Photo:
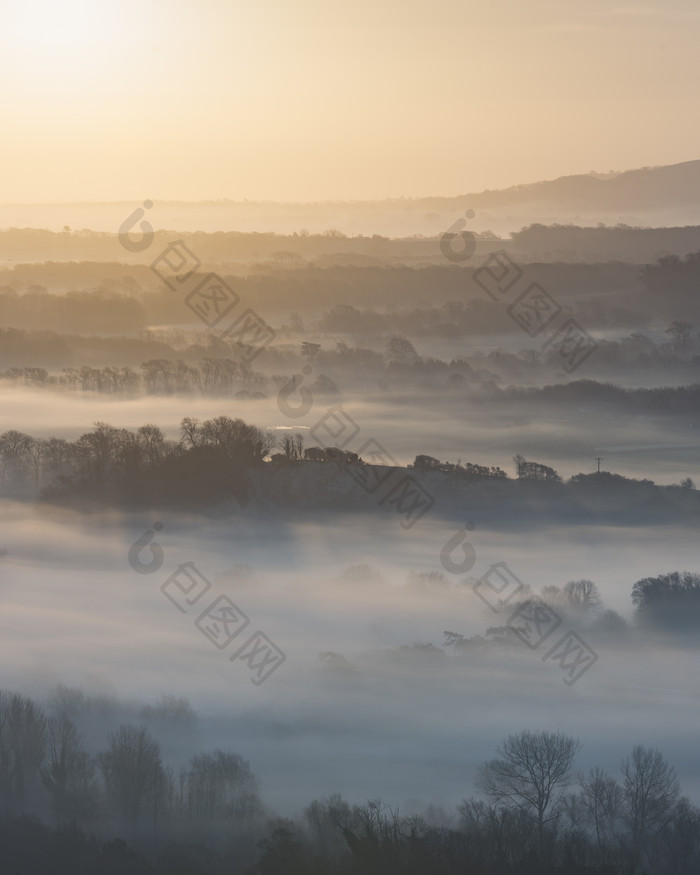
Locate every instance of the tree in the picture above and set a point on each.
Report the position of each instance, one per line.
(426, 463)
(670, 601)
(427, 581)
(326, 817)
(324, 385)
(133, 773)
(314, 454)
(534, 470)
(153, 441)
(681, 333)
(680, 839)
(67, 772)
(531, 775)
(97, 452)
(220, 786)
(35, 454)
(553, 595)
(57, 456)
(601, 798)
(519, 462)
(22, 739)
(189, 431)
(283, 853)
(497, 836)
(293, 447)
(650, 790)
(400, 351)
(14, 453)
(235, 438)
(583, 595)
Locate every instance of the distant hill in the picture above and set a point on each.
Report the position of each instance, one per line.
(649, 188)
(652, 196)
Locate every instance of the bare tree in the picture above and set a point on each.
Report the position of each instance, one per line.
(133, 773)
(153, 441)
(681, 333)
(531, 775)
(97, 451)
(583, 595)
(22, 738)
(553, 594)
(601, 798)
(498, 836)
(67, 772)
(220, 786)
(650, 792)
(35, 454)
(288, 447)
(325, 819)
(14, 454)
(234, 437)
(189, 430)
(57, 456)
(680, 839)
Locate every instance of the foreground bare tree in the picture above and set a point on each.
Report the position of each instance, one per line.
(650, 793)
(601, 801)
(531, 774)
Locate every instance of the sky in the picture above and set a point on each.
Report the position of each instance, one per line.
(310, 100)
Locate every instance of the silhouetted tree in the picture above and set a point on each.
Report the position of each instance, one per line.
(650, 791)
(22, 740)
(68, 772)
(670, 601)
(531, 774)
(133, 773)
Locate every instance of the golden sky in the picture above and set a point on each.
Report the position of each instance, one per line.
(318, 99)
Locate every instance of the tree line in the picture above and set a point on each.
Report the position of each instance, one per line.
(46, 769)
(534, 813)
(163, 363)
(219, 377)
(210, 460)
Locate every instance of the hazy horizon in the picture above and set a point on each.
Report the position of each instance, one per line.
(342, 90)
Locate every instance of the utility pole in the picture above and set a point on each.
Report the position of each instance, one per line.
(598, 459)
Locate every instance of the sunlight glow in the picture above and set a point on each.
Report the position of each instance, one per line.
(51, 41)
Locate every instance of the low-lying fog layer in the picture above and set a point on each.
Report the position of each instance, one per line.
(411, 725)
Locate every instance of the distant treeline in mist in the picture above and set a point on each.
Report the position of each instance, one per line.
(168, 364)
(90, 296)
(666, 607)
(220, 459)
(564, 242)
(674, 400)
(120, 809)
(557, 242)
(30, 244)
(117, 786)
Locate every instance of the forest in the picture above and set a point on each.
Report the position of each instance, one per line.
(122, 808)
